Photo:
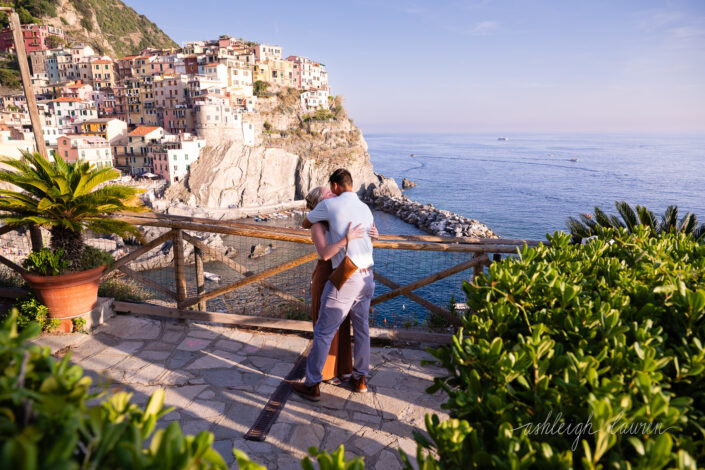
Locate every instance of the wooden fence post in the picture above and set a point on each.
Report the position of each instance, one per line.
(200, 283)
(179, 272)
(27, 83)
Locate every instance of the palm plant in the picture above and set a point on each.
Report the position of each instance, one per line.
(587, 225)
(67, 197)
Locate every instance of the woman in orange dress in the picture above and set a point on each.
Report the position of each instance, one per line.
(339, 362)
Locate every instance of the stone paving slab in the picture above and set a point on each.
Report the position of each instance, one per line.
(219, 378)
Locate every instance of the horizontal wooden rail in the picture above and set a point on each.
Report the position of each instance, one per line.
(418, 299)
(148, 282)
(161, 220)
(143, 249)
(249, 280)
(221, 257)
(252, 321)
(476, 261)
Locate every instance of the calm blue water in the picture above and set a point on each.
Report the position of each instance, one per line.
(527, 186)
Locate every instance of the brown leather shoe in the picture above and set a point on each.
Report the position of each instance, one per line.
(312, 393)
(359, 385)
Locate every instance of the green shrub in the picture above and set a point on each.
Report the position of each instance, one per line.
(46, 262)
(10, 78)
(318, 115)
(46, 421)
(259, 87)
(79, 324)
(93, 257)
(29, 310)
(606, 337)
(123, 289)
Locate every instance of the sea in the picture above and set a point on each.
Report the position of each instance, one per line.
(523, 187)
(528, 185)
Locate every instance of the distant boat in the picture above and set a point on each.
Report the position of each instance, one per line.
(211, 276)
(550, 154)
(573, 159)
(502, 138)
(412, 154)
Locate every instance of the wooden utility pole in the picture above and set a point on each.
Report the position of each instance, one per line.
(27, 81)
(35, 232)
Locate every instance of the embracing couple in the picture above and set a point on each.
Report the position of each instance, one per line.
(341, 227)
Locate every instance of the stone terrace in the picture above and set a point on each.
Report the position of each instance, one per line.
(219, 379)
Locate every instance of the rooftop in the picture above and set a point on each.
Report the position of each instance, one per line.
(143, 130)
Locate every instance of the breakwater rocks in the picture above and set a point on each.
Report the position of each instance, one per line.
(426, 217)
(406, 183)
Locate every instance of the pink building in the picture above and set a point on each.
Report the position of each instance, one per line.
(92, 149)
(173, 156)
(35, 37)
(309, 74)
(78, 90)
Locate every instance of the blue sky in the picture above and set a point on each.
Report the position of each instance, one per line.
(482, 65)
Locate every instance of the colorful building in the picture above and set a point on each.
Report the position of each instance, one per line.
(87, 148)
(35, 37)
(173, 156)
(109, 129)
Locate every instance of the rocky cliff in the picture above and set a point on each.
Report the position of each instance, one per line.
(293, 153)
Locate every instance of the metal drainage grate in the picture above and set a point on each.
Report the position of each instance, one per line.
(268, 416)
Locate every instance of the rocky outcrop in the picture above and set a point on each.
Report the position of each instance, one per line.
(232, 174)
(435, 221)
(292, 155)
(406, 183)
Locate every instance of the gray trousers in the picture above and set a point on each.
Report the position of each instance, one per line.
(354, 297)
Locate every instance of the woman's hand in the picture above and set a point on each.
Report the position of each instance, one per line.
(355, 232)
(373, 233)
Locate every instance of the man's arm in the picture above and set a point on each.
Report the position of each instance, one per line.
(306, 223)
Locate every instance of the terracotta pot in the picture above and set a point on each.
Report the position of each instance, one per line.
(67, 296)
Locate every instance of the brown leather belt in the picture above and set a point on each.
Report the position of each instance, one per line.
(365, 270)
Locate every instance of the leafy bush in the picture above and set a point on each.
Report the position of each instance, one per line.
(606, 338)
(259, 87)
(124, 290)
(319, 115)
(29, 310)
(93, 257)
(46, 262)
(46, 423)
(10, 78)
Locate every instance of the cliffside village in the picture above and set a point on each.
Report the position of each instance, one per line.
(148, 114)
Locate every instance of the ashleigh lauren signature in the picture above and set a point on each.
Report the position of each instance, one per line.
(617, 426)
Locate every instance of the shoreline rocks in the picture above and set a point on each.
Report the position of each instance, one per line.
(406, 183)
(426, 217)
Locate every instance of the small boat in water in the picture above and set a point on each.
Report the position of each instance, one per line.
(412, 154)
(211, 276)
(502, 138)
(573, 160)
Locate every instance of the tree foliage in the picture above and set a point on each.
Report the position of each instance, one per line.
(587, 225)
(68, 197)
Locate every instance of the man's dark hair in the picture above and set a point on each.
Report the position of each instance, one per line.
(342, 177)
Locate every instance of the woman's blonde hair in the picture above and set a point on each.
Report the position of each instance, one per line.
(314, 197)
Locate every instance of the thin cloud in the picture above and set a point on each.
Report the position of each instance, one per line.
(485, 28)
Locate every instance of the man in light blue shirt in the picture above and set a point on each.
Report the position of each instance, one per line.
(354, 296)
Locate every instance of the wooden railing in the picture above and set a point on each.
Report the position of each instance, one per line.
(479, 249)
